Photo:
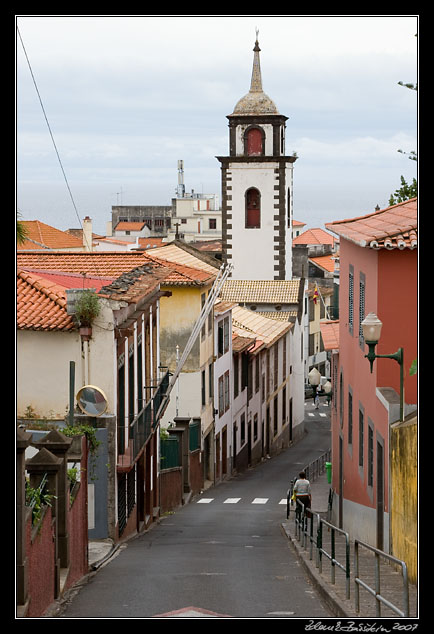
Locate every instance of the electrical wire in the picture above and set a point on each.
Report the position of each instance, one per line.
(55, 148)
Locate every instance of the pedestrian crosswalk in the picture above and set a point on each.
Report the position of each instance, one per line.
(237, 500)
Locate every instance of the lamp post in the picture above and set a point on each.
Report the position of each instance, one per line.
(327, 387)
(371, 327)
(314, 377)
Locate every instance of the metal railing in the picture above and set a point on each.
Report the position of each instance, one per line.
(317, 467)
(305, 521)
(160, 397)
(143, 424)
(313, 470)
(376, 592)
(304, 530)
(332, 556)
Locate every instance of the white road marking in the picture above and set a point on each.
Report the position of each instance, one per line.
(260, 501)
(282, 501)
(231, 500)
(205, 500)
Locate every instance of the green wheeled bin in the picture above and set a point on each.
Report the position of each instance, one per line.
(328, 466)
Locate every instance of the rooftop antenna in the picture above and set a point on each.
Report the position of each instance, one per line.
(117, 196)
(181, 187)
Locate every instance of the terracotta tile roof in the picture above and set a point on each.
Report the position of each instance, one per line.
(111, 240)
(173, 253)
(150, 243)
(326, 262)
(137, 283)
(280, 315)
(71, 280)
(42, 236)
(240, 343)
(330, 334)
(261, 291)
(98, 264)
(124, 225)
(181, 274)
(314, 236)
(207, 245)
(41, 304)
(246, 322)
(394, 227)
(221, 307)
(111, 265)
(297, 223)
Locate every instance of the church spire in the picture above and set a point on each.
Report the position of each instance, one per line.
(255, 102)
(256, 83)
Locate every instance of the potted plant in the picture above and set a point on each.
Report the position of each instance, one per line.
(86, 309)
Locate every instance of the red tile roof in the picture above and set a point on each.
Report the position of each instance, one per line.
(42, 236)
(71, 280)
(314, 236)
(111, 265)
(98, 264)
(125, 225)
(326, 262)
(150, 243)
(394, 227)
(41, 304)
(330, 334)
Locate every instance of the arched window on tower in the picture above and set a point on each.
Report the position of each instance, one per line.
(254, 142)
(253, 208)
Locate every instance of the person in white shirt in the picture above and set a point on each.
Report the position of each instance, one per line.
(302, 490)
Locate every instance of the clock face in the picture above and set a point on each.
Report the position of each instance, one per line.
(91, 400)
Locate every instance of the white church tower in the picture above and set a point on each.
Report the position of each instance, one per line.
(257, 188)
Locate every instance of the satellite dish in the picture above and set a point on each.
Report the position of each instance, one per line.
(92, 400)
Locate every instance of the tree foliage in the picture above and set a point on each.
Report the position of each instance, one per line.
(405, 192)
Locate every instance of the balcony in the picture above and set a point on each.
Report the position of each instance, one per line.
(142, 426)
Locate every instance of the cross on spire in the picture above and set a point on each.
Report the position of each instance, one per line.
(256, 82)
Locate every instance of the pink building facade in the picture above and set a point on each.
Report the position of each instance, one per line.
(378, 273)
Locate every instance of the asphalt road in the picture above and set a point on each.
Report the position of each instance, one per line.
(221, 555)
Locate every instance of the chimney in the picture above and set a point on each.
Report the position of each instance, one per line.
(87, 234)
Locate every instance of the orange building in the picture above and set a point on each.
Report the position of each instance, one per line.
(378, 274)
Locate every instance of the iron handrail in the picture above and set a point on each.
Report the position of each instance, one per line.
(375, 592)
(318, 467)
(332, 556)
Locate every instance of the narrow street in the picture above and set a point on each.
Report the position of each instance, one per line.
(222, 555)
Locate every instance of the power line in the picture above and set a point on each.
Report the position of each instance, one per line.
(54, 143)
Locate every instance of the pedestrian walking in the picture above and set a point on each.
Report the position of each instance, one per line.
(302, 491)
(317, 391)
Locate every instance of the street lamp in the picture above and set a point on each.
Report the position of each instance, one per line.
(371, 328)
(314, 378)
(327, 387)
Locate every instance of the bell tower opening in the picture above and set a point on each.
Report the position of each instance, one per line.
(254, 142)
(253, 208)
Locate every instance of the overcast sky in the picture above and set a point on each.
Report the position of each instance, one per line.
(127, 96)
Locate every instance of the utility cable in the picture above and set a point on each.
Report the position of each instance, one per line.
(54, 144)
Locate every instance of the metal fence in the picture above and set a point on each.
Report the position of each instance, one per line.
(310, 530)
(159, 398)
(194, 435)
(169, 452)
(376, 592)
